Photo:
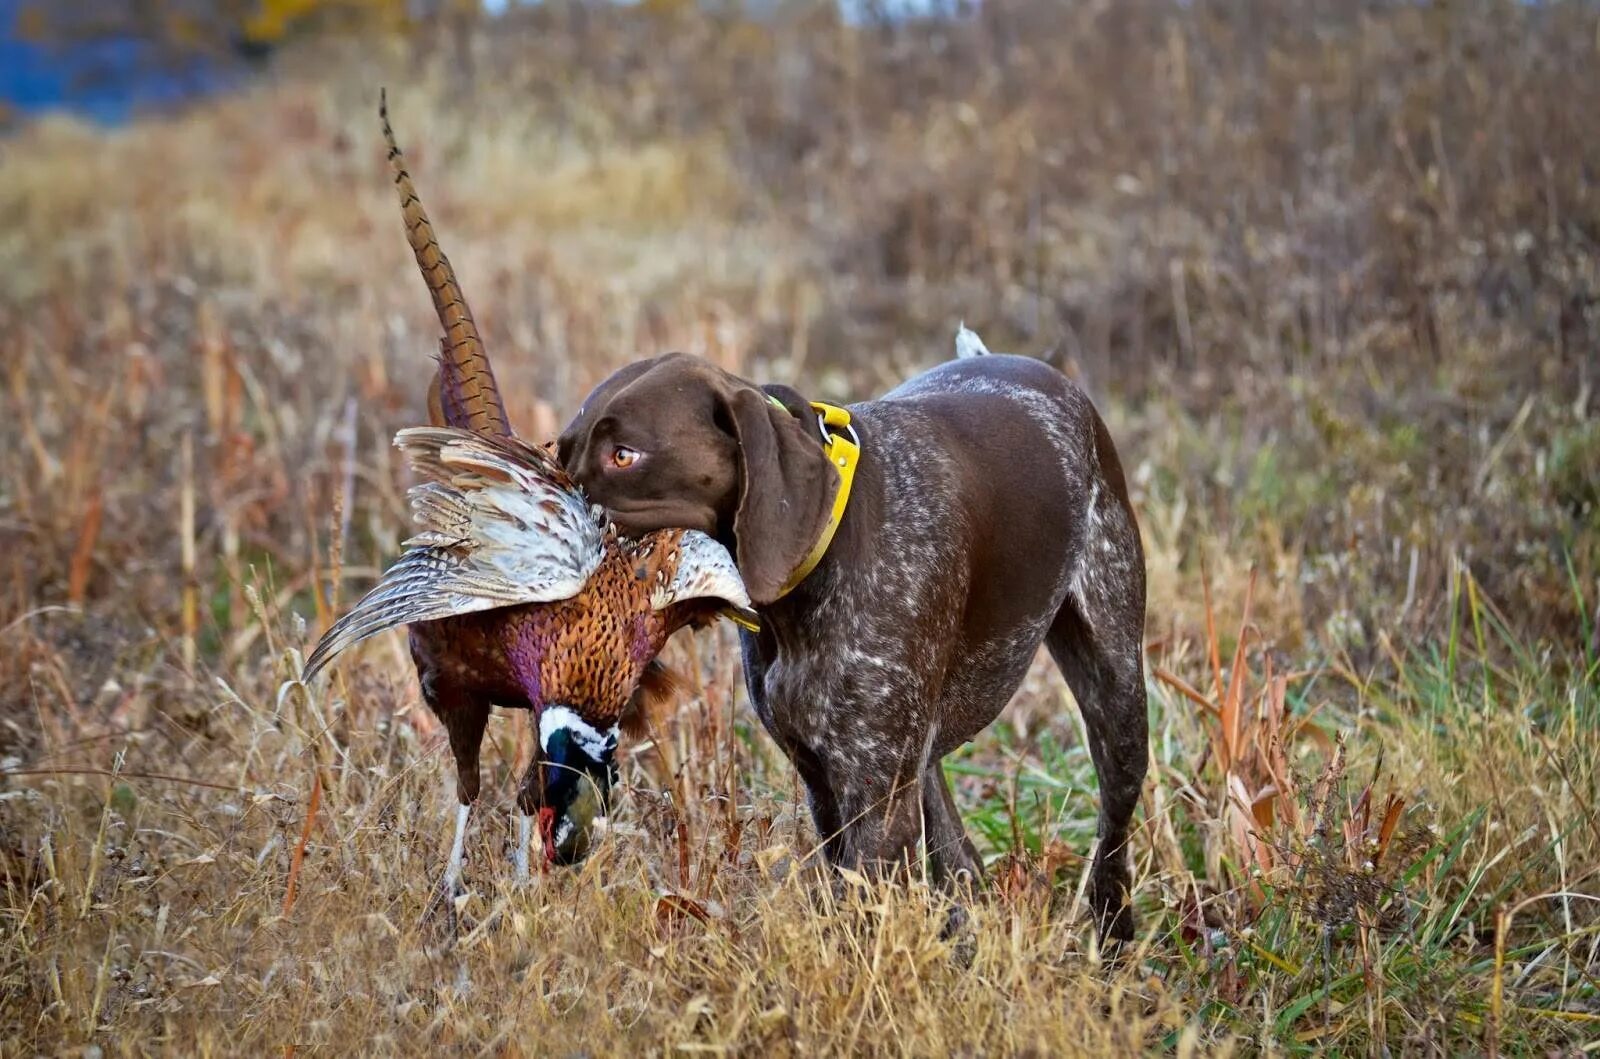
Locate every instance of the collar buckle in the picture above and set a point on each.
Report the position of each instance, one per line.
(831, 415)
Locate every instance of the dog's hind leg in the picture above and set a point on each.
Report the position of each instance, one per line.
(1097, 640)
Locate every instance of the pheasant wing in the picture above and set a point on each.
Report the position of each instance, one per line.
(500, 524)
(705, 570)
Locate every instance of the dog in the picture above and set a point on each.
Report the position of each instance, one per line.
(986, 513)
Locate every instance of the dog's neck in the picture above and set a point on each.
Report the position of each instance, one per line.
(853, 543)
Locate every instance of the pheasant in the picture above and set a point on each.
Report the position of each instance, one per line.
(518, 593)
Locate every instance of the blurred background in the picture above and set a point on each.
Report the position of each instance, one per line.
(1331, 263)
(1329, 268)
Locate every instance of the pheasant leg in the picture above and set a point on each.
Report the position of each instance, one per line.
(529, 810)
(458, 849)
(464, 716)
(524, 841)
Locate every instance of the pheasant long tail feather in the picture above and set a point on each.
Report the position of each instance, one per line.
(463, 394)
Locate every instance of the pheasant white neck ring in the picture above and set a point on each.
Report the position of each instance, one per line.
(585, 736)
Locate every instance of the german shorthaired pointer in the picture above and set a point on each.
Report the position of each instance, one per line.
(987, 514)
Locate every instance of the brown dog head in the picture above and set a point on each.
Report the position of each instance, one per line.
(675, 442)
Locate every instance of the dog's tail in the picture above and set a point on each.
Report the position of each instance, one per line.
(968, 344)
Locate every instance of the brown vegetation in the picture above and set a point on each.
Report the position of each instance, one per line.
(1330, 270)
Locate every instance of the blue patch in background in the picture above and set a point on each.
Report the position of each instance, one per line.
(106, 80)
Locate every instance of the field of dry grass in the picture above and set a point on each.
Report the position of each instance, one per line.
(1332, 275)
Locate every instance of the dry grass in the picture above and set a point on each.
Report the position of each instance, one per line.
(1334, 284)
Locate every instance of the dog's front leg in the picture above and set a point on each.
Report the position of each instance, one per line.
(860, 756)
(755, 650)
(953, 860)
(868, 813)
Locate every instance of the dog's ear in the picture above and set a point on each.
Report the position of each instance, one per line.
(786, 490)
(794, 401)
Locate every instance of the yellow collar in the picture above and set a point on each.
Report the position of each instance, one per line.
(842, 446)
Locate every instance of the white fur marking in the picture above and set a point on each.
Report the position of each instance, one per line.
(968, 344)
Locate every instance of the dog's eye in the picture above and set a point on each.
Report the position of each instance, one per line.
(622, 456)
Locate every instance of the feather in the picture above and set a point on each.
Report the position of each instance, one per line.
(464, 393)
(500, 525)
(705, 571)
